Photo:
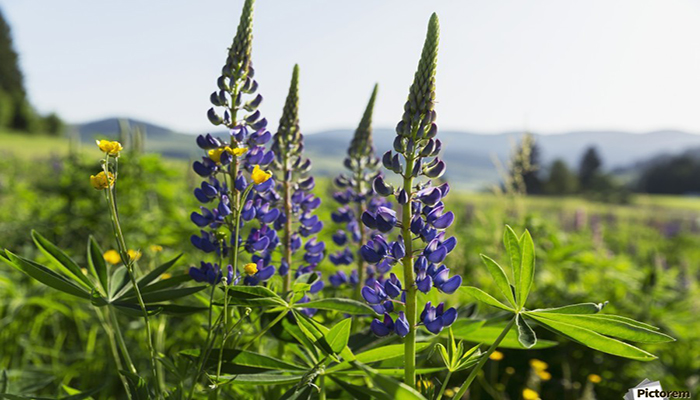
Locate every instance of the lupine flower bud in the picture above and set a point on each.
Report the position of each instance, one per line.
(381, 187)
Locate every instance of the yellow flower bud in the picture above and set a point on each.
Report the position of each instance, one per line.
(593, 378)
(259, 176)
(110, 147)
(496, 356)
(544, 375)
(538, 365)
(102, 181)
(529, 394)
(134, 255)
(112, 257)
(250, 268)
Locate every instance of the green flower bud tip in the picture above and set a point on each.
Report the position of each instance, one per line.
(288, 134)
(361, 145)
(243, 41)
(421, 96)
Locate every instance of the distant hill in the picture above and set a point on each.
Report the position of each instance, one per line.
(468, 155)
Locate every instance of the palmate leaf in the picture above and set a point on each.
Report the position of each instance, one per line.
(250, 359)
(526, 336)
(484, 297)
(272, 378)
(346, 306)
(157, 272)
(617, 328)
(593, 339)
(61, 260)
(97, 264)
(392, 387)
(379, 354)
(254, 296)
(316, 333)
(46, 276)
(487, 335)
(499, 276)
(166, 295)
(339, 335)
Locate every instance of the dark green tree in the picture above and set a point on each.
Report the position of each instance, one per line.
(532, 177)
(589, 169)
(561, 181)
(15, 110)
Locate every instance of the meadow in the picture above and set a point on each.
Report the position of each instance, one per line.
(241, 275)
(641, 257)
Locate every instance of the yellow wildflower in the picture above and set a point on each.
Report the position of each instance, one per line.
(166, 275)
(259, 176)
(593, 378)
(155, 248)
(529, 394)
(112, 257)
(239, 151)
(449, 392)
(544, 375)
(109, 147)
(538, 365)
(134, 255)
(496, 356)
(102, 181)
(425, 384)
(250, 268)
(510, 370)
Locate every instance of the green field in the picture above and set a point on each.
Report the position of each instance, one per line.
(642, 257)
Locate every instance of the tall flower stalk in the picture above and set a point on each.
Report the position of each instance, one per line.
(355, 197)
(236, 189)
(296, 203)
(423, 219)
(106, 180)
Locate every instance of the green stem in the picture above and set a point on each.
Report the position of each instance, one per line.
(115, 351)
(262, 332)
(483, 360)
(411, 300)
(360, 260)
(322, 387)
(202, 357)
(121, 243)
(444, 385)
(120, 341)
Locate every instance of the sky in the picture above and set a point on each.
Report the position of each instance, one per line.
(546, 66)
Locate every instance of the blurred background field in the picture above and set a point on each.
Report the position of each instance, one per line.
(641, 256)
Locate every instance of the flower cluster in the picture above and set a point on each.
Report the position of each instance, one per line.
(296, 204)
(236, 188)
(355, 197)
(423, 216)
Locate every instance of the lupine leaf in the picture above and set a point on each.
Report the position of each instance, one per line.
(392, 387)
(512, 244)
(610, 327)
(526, 336)
(47, 276)
(360, 392)
(487, 335)
(61, 260)
(463, 326)
(339, 335)
(379, 354)
(118, 282)
(296, 393)
(316, 333)
(582, 308)
(153, 275)
(527, 269)
(158, 286)
(593, 339)
(97, 264)
(245, 358)
(254, 296)
(484, 297)
(276, 378)
(134, 309)
(388, 371)
(166, 295)
(499, 276)
(347, 306)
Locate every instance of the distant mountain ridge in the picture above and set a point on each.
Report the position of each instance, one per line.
(469, 156)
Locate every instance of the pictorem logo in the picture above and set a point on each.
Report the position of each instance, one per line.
(653, 390)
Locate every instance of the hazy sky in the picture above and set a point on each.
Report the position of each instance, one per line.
(545, 66)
